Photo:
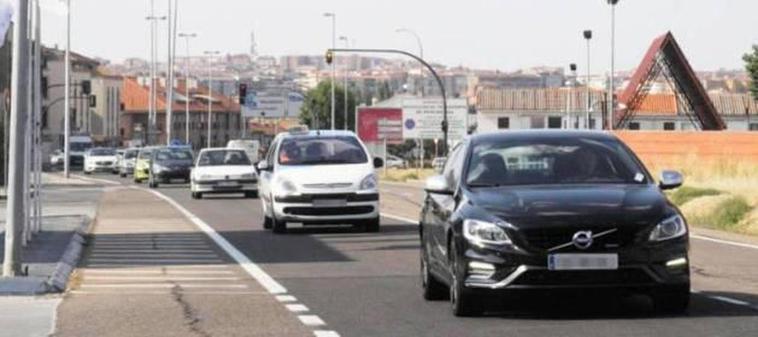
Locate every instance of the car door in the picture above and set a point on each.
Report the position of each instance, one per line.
(440, 207)
(265, 178)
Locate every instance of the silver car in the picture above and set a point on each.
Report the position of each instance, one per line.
(127, 162)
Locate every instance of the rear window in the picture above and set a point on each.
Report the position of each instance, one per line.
(321, 150)
(130, 154)
(224, 158)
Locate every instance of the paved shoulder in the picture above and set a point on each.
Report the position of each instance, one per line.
(150, 272)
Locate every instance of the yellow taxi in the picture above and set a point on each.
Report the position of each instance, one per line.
(142, 165)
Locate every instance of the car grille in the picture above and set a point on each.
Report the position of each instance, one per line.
(328, 186)
(632, 276)
(349, 197)
(547, 238)
(104, 163)
(313, 211)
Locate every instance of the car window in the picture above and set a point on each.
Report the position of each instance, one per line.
(145, 154)
(564, 161)
(452, 166)
(130, 154)
(320, 150)
(223, 158)
(172, 154)
(271, 153)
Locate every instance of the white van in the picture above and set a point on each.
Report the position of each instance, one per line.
(251, 147)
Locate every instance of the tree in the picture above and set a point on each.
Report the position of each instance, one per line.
(317, 108)
(751, 65)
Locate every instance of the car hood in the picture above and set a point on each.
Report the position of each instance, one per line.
(324, 175)
(102, 158)
(580, 205)
(223, 171)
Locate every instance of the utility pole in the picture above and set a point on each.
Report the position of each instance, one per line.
(588, 36)
(170, 72)
(334, 69)
(19, 108)
(210, 55)
(420, 54)
(187, 37)
(347, 69)
(38, 120)
(66, 98)
(611, 98)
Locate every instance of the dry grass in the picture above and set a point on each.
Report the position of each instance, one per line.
(403, 175)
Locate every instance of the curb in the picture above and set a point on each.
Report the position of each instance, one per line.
(70, 260)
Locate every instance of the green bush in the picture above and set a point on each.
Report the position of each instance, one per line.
(729, 213)
(686, 193)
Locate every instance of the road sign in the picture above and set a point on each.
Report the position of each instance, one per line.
(422, 118)
(377, 124)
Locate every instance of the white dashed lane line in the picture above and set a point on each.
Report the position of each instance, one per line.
(268, 282)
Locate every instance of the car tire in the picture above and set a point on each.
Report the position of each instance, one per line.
(268, 223)
(123, 175)
(278, 226)
(197, 195)
(464, 302)
(432, 289)
(87, 172)
(372, 225)
(672, 300)
(251, 194)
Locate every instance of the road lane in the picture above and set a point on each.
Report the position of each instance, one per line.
(367, 284)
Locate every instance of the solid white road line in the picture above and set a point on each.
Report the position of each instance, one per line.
(249, 266)
(286, 298)
(311, 320)
(724, 242)
(325, 333)
(729, 300)
(399, 218)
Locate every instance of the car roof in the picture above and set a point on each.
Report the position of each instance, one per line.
(220, 149)
(541, 134)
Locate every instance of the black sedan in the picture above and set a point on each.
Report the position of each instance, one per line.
(169, 164)
(551, 210)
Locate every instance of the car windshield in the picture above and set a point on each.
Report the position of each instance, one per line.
(223, 158)
(145, 154)
(172, 154)
(102, 152)
(79, 147)
(321, 150)
(130, 154)
(564, 161)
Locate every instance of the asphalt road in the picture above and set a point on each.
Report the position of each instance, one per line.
(368, 284)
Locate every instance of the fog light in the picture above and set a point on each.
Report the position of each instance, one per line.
(676, 263)
(480, 269)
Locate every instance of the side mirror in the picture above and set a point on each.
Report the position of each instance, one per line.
(670, 180)
(378, 162)
(263, 166)
(437, 184)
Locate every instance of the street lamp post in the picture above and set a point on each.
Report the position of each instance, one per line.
(172, 18)
(420, 53)
(611, 98)
(210, 55)
(66, 94)
(347, 45)
(152, 111)
(588, 37)
(187, 37)
(334, 71)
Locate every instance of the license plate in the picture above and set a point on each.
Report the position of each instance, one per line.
(329, 202)
(583, 262)
(227, 183)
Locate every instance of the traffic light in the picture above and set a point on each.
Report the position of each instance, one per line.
(242, 93)
(92, 101)
(86, 87)
(329, 57)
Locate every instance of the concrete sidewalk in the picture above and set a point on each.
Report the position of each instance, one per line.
(150, 272)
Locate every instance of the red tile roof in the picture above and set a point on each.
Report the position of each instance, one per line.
(136, 98)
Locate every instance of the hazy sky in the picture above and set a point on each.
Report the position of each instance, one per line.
(502, 34)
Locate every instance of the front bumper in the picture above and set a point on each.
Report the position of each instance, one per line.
(225, 186)
(168, 175)
(643, 266)
(99, 167)
(326, 208)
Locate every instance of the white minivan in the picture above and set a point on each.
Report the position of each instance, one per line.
(251, 147)
(319, 178)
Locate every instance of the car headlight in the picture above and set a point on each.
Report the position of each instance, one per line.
(482, 232)
(285, 187)
(368, 183)
(670, 228)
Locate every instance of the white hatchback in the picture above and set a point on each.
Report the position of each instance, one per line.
(319, 177)
(222, 170)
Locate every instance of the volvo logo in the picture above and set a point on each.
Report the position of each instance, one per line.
(582, 239)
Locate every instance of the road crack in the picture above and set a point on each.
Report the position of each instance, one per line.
(192, 320)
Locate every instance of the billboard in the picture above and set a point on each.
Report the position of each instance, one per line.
(263, 104)
(422, 118)
(378, 124)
